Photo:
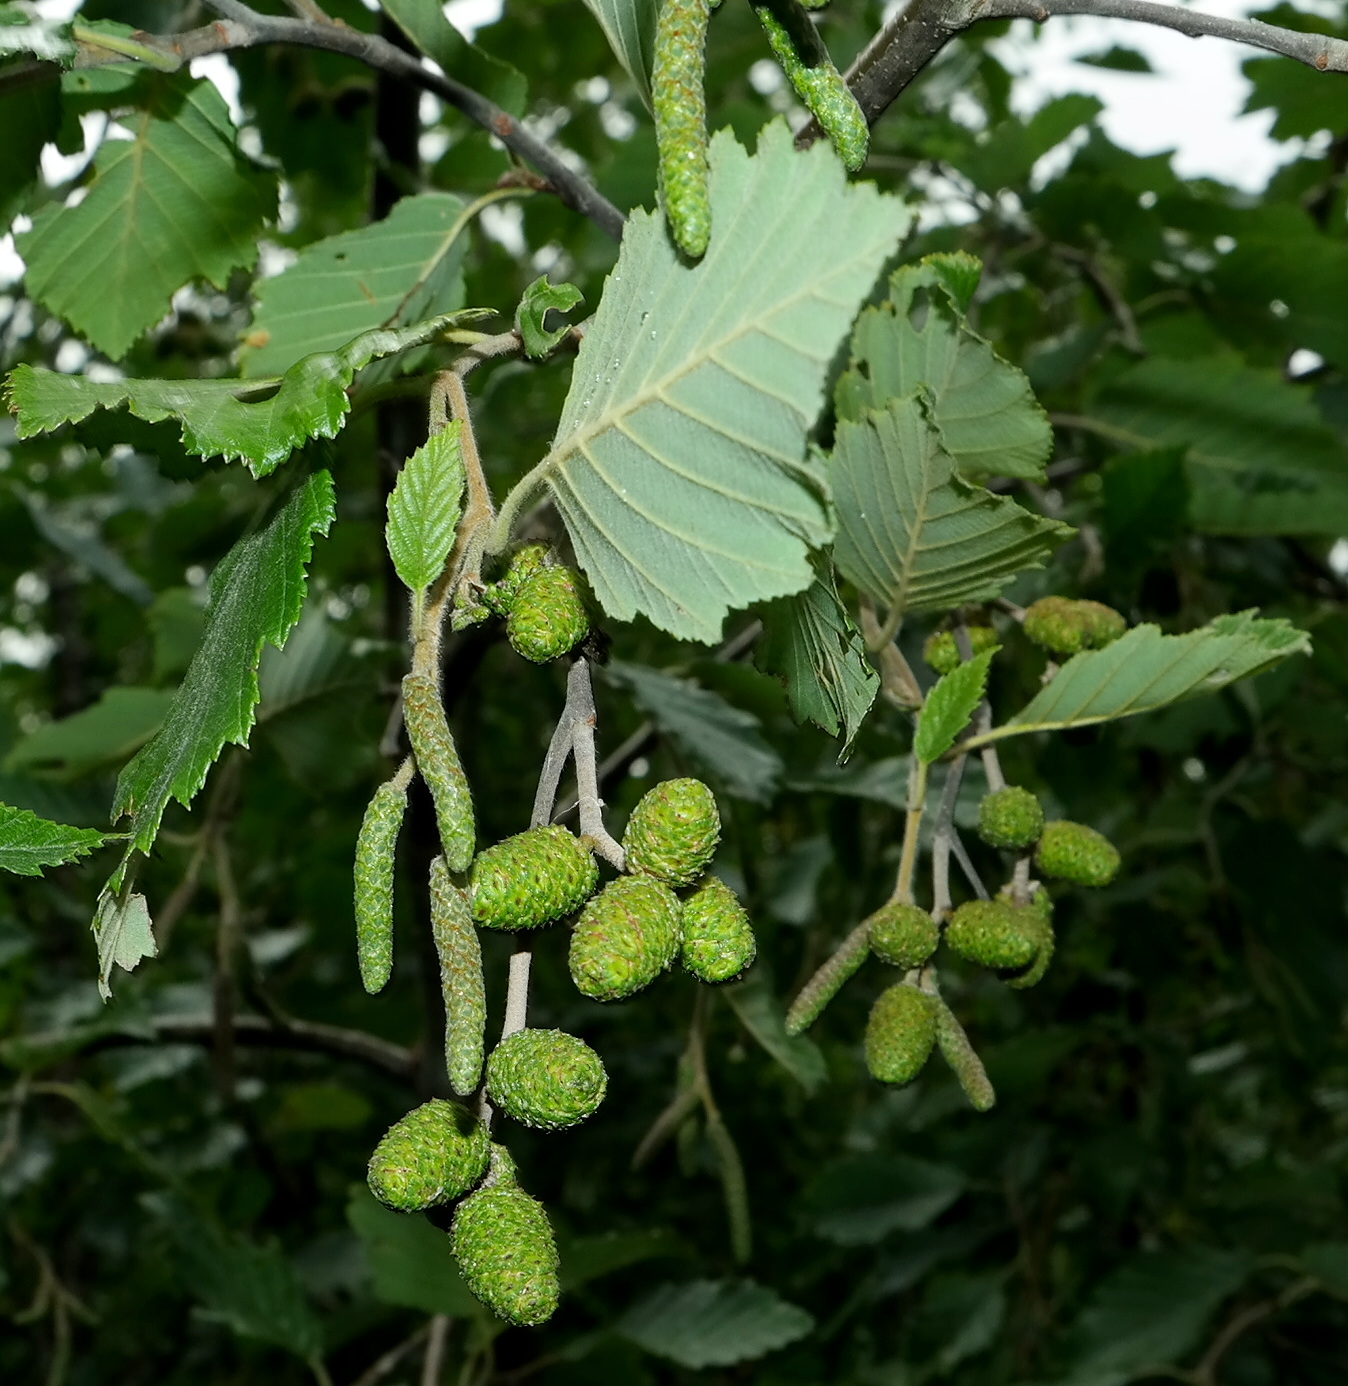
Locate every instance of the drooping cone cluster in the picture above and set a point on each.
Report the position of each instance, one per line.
(1063, 626)
(1073, 852)
(673, 832)
(1037, 919)
(1010, 818)
(942, 653)
(900, 1033)
(531, 879)
(546, 1079)
(504, 1246)
(718, 940)
(903, 935)
(625, 938)
(992, 933)
(547, 616)
(435, 1153)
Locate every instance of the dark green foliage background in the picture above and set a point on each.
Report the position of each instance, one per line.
(1173, 1116)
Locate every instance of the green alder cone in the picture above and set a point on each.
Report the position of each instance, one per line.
(435, 1153)
(500, 595)
(546, 1079)
(900, 1034)
(1010, 818)
(1073, 852)
(376, 846)
(673, 832)
(547, 617)
(718, 939)
(1038, 919)
(942, 653)
(1102, 624)
(532, 879)
(1066, 627)
(681, 120)
(461, 981)
(503, 1243)
(625, 938)
(438, 761)
(991, 933)
(903, 935)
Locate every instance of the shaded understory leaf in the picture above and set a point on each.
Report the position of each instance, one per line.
(120, 722)
(762, 1014)
(714, 1323)
(629, 26)
(28, 843)
(859, 1199)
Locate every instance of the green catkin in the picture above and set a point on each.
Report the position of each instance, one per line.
(1073, 852)
(804, 58)
(718, 939)
(504, 1246)
(461, 981)
(438, 761)
(546, 1079)
(625, 938)
(903, 935)
(435, 1153)
(828, 980)
(681, 120)
(964, 1063)
(375, 853)
(1010, 818)
(942, 654)
(673, 831)
(532, 879)
(993, 934)
(900, 1034)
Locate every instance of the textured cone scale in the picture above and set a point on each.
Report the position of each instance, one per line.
(1102, 624)
(435, 1153)
(375, 848)
(500, 596)
(1037, 918)
(718, 940)
(546, 1079)
(1010, 818)
(903, 935)
(461, 983)
(1073, 852)
(942, 654)
(680, 106)
(673, 832)
(506, 1253)
(438, 762)
(625, 938)
(1055, 625)
(900, 1034)
(531, 879)
(547, 616)
(991, 933)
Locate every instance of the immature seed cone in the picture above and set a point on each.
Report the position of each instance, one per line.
(991, 933)
(438, 761)
(505, 1249)
(375, 848)
(942, 654)
(1037, 915)
(531, 879)
(903, 935)
(718, 940)
(1010, 818)
(900, 1034)
(673, 832)
(546, 1079)
(547, 617)
(500, 596)
(1073, 852)
(435, 1153)
(461, 982)
(625, 938)
(1103, 625)
(1065, 627)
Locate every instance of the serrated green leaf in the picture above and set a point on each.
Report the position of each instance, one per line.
(122, 720)
(399, 271)
(629, 26)
(424, 509)
(256, 594)
(1145, 670)
(949, 706)
(424, 22)
(988, 417)
(123, 934)
(1006, 156)
(28, 843)
(410, 1261)
(714, 1323)
(859, 1199)
(24, 30)
(1304, 109)
(679, 463)
(810, 643)
(911, 532)
(176, 202)
(260, 422)
(764, 1016)
(540, 299)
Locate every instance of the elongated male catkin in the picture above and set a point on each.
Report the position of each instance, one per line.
(375, 846)
(828, 979)
(965, 1063)
(438, 761)
(681, 120)
(803, 57)
(461, 983)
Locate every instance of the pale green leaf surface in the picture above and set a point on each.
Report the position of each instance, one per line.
(424, 22)
(679, 463)
(256, 593)
(175, 203)
(858, 1200)
(410, 1261)
(28, 843)
(540, 299)
(121, 721)
(424, 509)
(123, 934)
(911, 532)
(763, 1015)
(402, 270)
(714, 1323)
(629, 26)
(949, 706)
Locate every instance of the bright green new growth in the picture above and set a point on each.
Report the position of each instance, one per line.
(1066, 627)
(375, 848)
(681, 120)
(718, 939)
(673, 831)
(546, 1079)
(803, 57)
(900, 1034)
(625, 938)
(524, 561)
(1010, 818)
(532, 879)
(438, 762)
(505, 1249)
(991, 933)
(435, 1153)
(942, 653)
(903, 935)
(547, 616)
(1073, 852)
(1037, 917)
(461, 982)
